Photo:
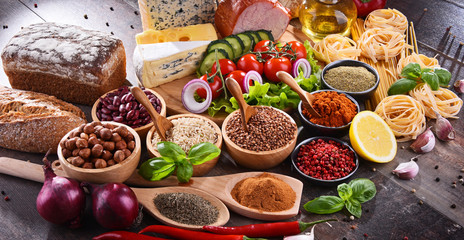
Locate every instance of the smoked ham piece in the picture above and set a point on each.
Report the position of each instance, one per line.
(236, 16)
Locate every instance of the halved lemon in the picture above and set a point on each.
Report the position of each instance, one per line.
(372, 138)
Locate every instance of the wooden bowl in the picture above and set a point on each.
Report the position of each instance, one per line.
(198, 170)
(258, 160)
(117, 173)
(143, 130)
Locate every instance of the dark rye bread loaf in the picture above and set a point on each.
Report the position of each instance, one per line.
(66, 61)
(35, 122)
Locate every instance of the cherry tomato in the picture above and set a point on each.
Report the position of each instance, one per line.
(238, 76)
(215, 86)
(274, 65)
(249, 62)
(263, 46)
(298, 48)
(226, 66)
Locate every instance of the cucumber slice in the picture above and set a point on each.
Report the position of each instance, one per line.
(221, 44)
(237, 44)
(246, 39)
(209, 59)
(256, 37)
(265, 35)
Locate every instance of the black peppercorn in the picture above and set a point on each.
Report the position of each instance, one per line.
(437, 179)
(85, 16)
(453, 205)
(436, 167)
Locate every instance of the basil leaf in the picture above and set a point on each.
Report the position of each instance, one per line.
(402, 86)
(431, 79)
(412, 71)
(171, 152)
(363, 189)
(184, 171)
(203, 152)
(354, 207)
(156, 169)
(344, 191)
(324, 205)
(444, 76)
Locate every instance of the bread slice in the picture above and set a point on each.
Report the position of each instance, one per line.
(35, 122)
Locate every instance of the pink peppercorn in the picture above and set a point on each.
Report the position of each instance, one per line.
(325, 159)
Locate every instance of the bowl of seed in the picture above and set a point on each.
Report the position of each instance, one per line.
(355, 78)
(270, 138)
(188, 130)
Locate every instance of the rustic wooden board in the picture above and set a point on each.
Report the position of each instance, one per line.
(171, 92)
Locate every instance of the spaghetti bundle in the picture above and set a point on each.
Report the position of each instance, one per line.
(443, 101)
(404, 115)
(422, 60)
(388, 19)
(381, 44)
(335, 47)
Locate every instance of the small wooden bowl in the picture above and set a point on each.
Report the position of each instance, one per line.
(117, 173)
(198, 170)
(143, 130)
(258, 160)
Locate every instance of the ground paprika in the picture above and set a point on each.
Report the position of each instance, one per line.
(335, 108)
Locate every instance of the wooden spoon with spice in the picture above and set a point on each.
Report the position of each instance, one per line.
(246, 110)
(306, 97)
(161, 123)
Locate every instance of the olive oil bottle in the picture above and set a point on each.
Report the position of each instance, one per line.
(320, 18)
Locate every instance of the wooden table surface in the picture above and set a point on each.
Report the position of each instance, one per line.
(394, 213)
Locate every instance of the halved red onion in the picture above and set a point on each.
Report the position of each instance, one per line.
(188, 99)
(249, 77)
(305, 67)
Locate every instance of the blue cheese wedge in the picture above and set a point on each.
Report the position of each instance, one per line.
(160, 63)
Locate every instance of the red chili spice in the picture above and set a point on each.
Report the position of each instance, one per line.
(326, 160)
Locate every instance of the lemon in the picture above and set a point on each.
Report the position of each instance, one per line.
(372, 138)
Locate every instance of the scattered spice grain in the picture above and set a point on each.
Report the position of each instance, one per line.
(85, 16)
(35, 5)
(421, 202)
(462, 170)
(453, 206)
(136, 13)
(413, 190)
(351, 217)
(405, 238)
(335, 108)
(111, 8)
(186, 208)
(3, 192)
(6, 198)
(132, 26)
(374, 169)
(269, 129)
(107, 24)
(460, 177)
(436, 167)
(350, 79)
(437, 179)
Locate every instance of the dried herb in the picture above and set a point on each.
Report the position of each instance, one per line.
(351, 79)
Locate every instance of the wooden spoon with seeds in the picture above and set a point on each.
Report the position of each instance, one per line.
(306, 97)
(161, 123)
(246, 110)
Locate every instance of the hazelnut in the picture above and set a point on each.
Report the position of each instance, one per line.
(88, 165)
(93, 135)
(97, 130)
(97, 150)
(66, 153)
(62, 144)
(108, 125)
(105, 134)
(116, 137)
(127, 152)
(94, 124)
(88, 128)
(100, 163)
(81, 128)
(131, 145)
(106, 155)
(74, 133)
(108, 146)
(75, 152)
(84, 136)
(129, 137)
(122, 131)
(121, 145)
(71, 143)
(85, 153)
(81, 143)
(119, 156)
(93, 140)
(111, 162)
(93, 160)
(77, 161)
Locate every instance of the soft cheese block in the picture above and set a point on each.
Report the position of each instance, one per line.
(163, 14)
(199, 32)
(159, 63)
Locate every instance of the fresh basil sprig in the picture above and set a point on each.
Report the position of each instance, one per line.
(173, 157)
(412, 74)
(351, 196)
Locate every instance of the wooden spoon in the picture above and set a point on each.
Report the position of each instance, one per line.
(145, 196)
(161, 123)
(246, 110)
(306, 97)
(219, 186)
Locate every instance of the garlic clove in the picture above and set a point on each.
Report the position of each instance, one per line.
(424, 142)
(407, 170)
(459, 86)
(443, 129)
(305, 236)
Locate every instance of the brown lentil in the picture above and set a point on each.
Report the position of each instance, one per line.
(268, 130)
(350, 79)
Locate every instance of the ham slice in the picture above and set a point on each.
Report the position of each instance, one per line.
(236, 16)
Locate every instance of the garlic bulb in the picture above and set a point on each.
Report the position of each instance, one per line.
(459, 86)
(424, 142)
(443, 129)
(407, 170)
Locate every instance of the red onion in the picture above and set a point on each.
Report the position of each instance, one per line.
(188, 99)
(61, 200)
(114, 205)
(250, 76)
(305, 67)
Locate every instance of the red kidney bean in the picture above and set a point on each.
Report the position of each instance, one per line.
(118, 119)
(105, 110)
(116, 101)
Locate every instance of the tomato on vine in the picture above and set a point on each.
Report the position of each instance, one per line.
(298, 49)
(238, 76)
(216, 87)
(265, 46)
(226, 66)
(273, 65)
(250, 62)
